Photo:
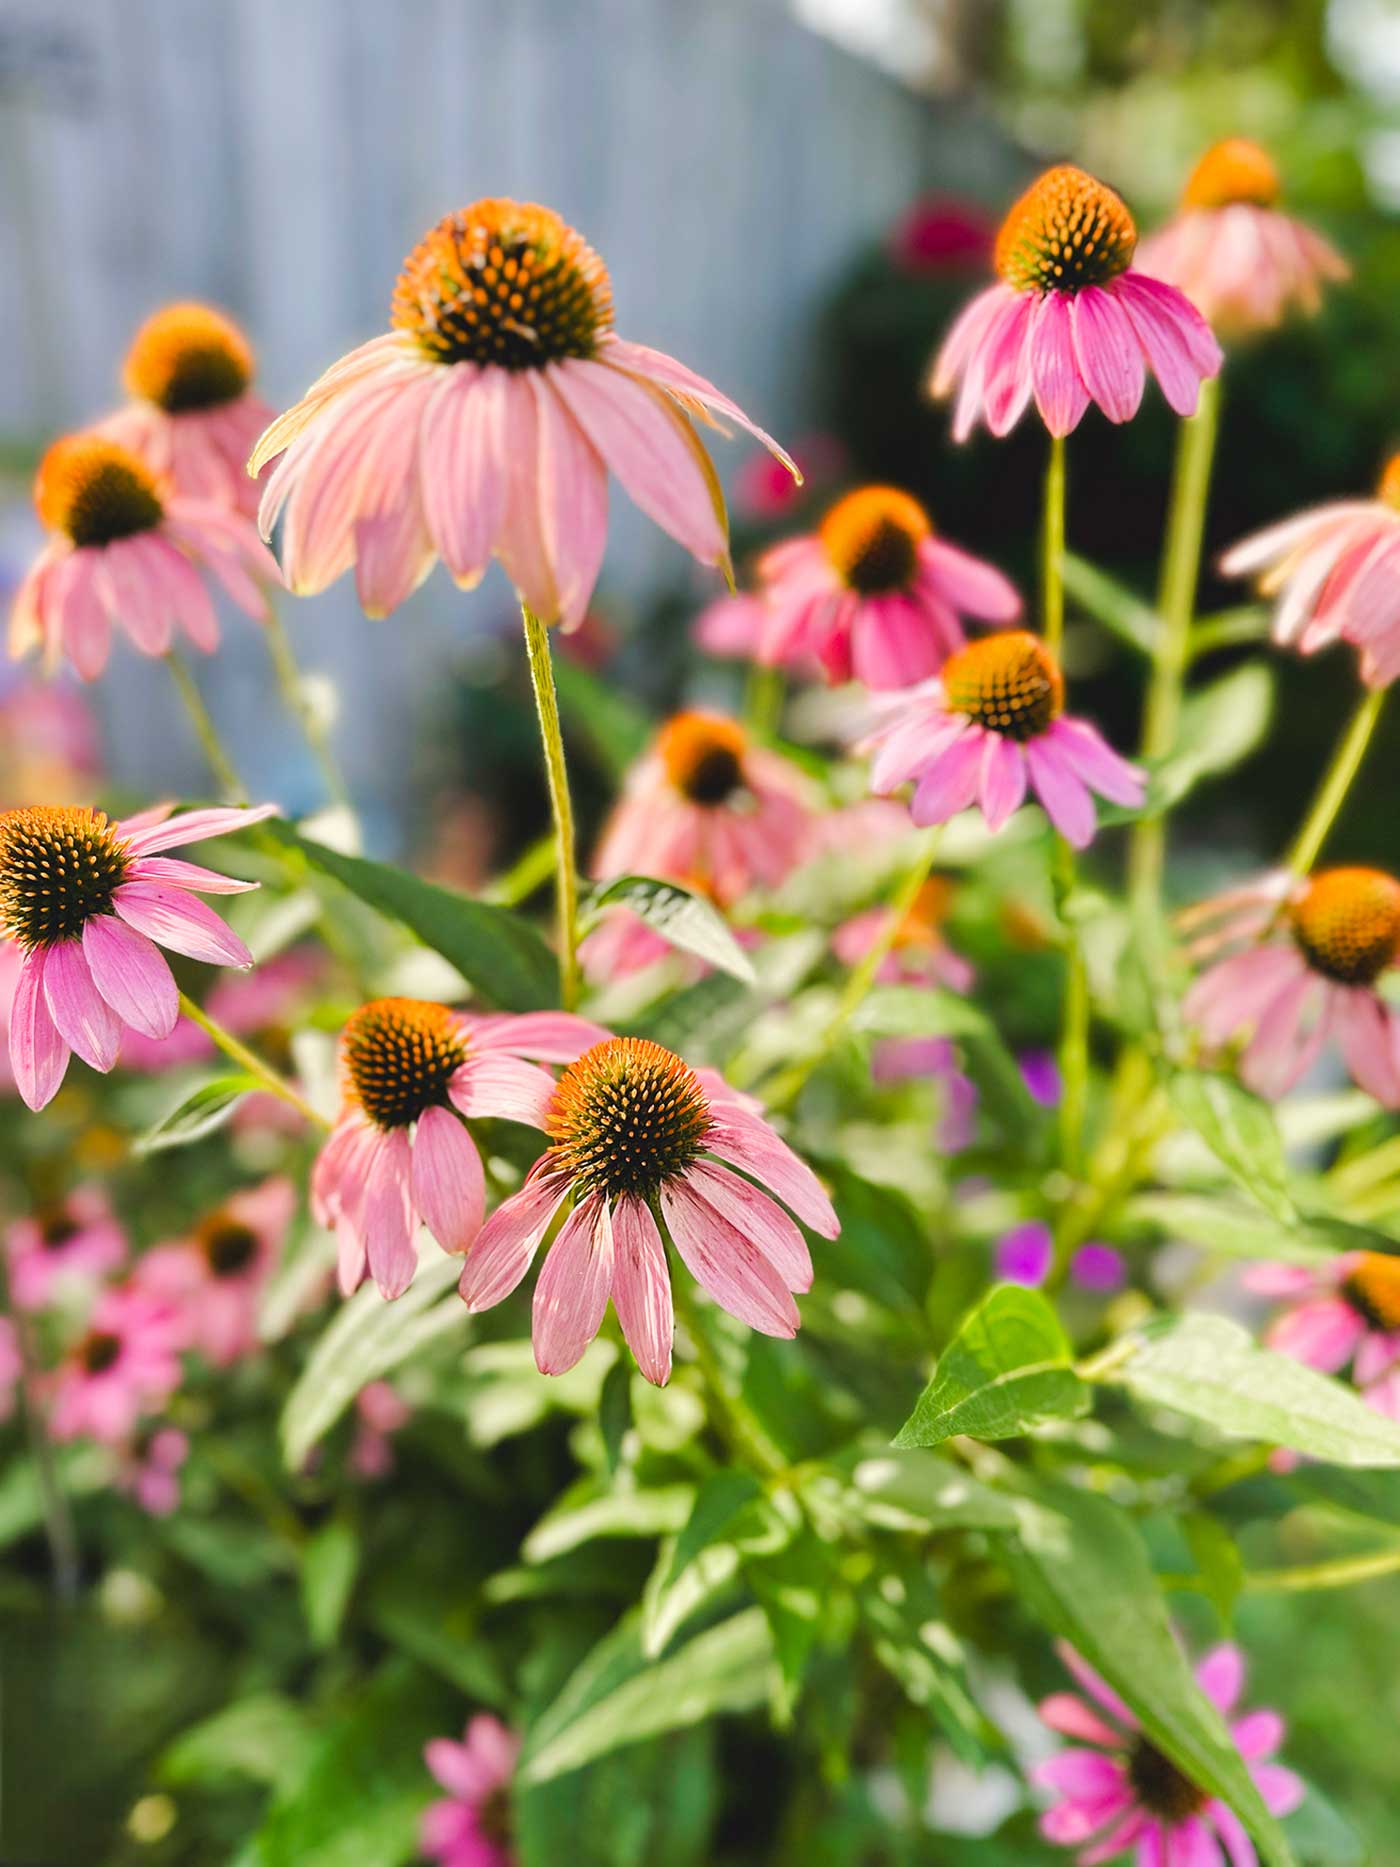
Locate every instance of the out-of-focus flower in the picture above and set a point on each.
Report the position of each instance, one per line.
(472, 1827)
(1097, 1267)
(631, 1128)
(193, 417)
(91, 902)
(126, 1363)
(1025, 1253)
(1335, 571)
(411, 1074)
(993, 722)
(11, 1367)
(486, 423)
(874, 593)
(898, 1059)
(1117, 1791)
(49, 743)
(919, 954)
(149, 1469)
(1071, 322)
(1041, 1075)
(125, 550)
(243, 1003)
(380, 1412)
(942, 233)
(764, 489)
(214, 1279)
(75, 1242)
(1239, 259)
(1344, 1312)
(1312, 953)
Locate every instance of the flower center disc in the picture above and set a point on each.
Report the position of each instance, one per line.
(99, 1350)
(59, 865)
(1235, 170)
(187, 357)
(703, 754)
(400, 1054)
(1373, 1288)
(1066, 231)
(1007, 682)
(1160, 1786)
(95, 491)
(504, 282)
(57, 1228)
(228, 1245)
(872, 538)
(627, 1117)
(1347, 924)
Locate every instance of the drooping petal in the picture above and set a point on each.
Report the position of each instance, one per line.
(1060, 392)
(449, 1187)
(746, 1141)
(573, 501)
(760, 1218)
(38, 1055)
(502, 1086)
(1003, 779)
(145, 834)
(179, 921)
(575, 1281)
(727, 1264)
(186, 875)
(641, 1290)
(547, 1036)
(1067, 803)
(386, 1218)
(84, 1019)
(131, 975)
(1107, 352)
(461, 471)
(950, 783)
(502, 1251)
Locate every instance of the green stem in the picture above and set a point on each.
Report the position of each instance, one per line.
(1052, 548)
(218, 760)
(250, 1061)
(1341, 1572)
(521, 880)
(551, 734)
(293, 686)
(763, 700)
(1346, 762)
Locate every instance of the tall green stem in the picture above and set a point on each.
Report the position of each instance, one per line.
(1052, 548)
(763, 699)
(293, 686)
(561, 807)
(249, 1060)
(1346, 762)
(220, 764)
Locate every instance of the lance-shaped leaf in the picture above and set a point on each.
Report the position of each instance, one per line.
(1240, 1130)
(201, 1111)
(681, 917)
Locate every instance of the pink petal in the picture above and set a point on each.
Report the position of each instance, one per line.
(449, 1187)
(1106, 349)
(727, 1264)
(1069, 1715)
(38, 1055)
(461, 473)
(1086, 1775)
(502, 1251)
(746, 1141)
(1060, 393)
(1367, 1034)
(1067, 803)
(641, 1289)
(760, 1219)
(573, 1288)
(186, 875)
(179, 921)
(692, 390)
(502, 1086)
(950, 783)
(1164, 344)
(1231, 1830)
(1098, 1689)
(573, 500)
(969, 584)
(1003, 779)
(1281, 1789)
(84, 1019)
(145, 834)
(548, 1036)
(1323, 1333)
(520, 544)
(1258, 1734)
(1220, 1675)
(131, 975)
(1089, 754)
(386, 1219)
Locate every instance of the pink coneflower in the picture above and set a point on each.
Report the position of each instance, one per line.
(75, 1241)
(991, 724)
(472, 1828)
(764, 488)
(1347, 1311)
(1071, 322)
(1335, 571)
(126, 1364)
(264, 1001)
(193, 417)
(88, 900)
(401, 1153)
(919, 954)
(1240, 261)
(49, 743)
(635, 1134)
(380, 1412)
(124, 550)
(486, 423)
(214, 1279)
(1316, 948)
(149, 1469)
(874, 593)
(1125, 1793)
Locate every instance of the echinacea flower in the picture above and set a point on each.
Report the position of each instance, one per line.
(990, 725)
(1335, 571)
(1314, 949)
(1118, 1792)
(472, 1826)
(919, 954)
(486, 423)
(874, 593)
(1343, 1312)
(149, 1469)
(1237, 256)
(214, 1279)
(1071, 321)
(125, 1364)
(72, 1242)
(193, 416)
(635, 1136)
(412, 1073)
(124, 550)
(90, 902)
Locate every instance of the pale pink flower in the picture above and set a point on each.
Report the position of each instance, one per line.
(124, 550)
(1240, 260)
(1310, 954)
(899, 1059)
(73, 1243)
(1070, 322)
(90, 902)
(919, 955)
(486, 424)
(1346, 1312)
(125, 1365)
(380, 1412)
(214, 1279)
(412, 1074)
(992, 725)
(266, 1000)
(634, 1130)
(193, 417)
(1335, 571)
(1118, 1792)
(472, 1827)
(149, 1469)
(874, 593)
(49, 743)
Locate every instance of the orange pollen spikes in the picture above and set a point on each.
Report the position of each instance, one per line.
(626, 1117)
(504, 282)
(1347, 924)
(187, 357)
(1066, 231)
(59, 865)
(872, 539)
(1388, 487)
(398, 1056)
(1235, 170)
(703, 756)
(1008, 682)
(95, 491)
(1373, 1287)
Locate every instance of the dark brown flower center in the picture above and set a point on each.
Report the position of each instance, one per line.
(1066, 231)
(95, 492)
(1161, 1788)
(1373, 1289)
(59, 865)
(57, 1228)
(187, 357)
(1347, 924)
(627, 1117)
(98, 1351)
(1008, 682)
(872, 539)
(703, 754)
(228, 1245)
(399, 1056)
(1231, 171)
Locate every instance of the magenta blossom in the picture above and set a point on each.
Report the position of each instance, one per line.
(214, 1279)
(73, 1243)
(472, 1827)
(126, 1364)
(149, 1469)
(1345, 1312)
(1025, 1253)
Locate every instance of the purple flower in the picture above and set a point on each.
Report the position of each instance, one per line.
(1041, 1075)
(1025, 1253)
(1098, 1267)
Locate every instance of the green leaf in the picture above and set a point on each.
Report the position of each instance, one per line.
(1221, 725)
(919, 1650)
(1228, 1226)
(730, 1508)
(1240, 1130)
(616, 730)
(1374, 1495)
(201, 1111)
(1212, 1370)
(919, 1011)
(682, 918)
(1082, 1569)
(328, 1565)
(615, 1413)
(710, 1015)
(264, 1737)
(1007, 1369)
(1112, 604)
(616, 1513)
(1219, 1563)
(497, 952)
(794, 1588)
